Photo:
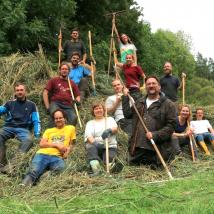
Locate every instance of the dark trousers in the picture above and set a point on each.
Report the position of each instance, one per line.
(97, 151)
(69, 110)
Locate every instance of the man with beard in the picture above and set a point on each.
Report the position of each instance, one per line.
(75, 45)
(21, 117)
(55, 146)
(58, 91)
(169, 83)
(78, 74)
(159, 115)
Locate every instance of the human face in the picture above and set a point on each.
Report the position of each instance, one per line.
(20, 92)
(75, 60)
(64, 70)
(152, 87)
(167, 68)
(99, 112)
(185, 112)
(117, 86)
(124, 38)
(129, 59)
(74, 35)
(59, 119)
(199, 114)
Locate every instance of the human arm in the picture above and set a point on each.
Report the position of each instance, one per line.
(127, 110)
(112, 105)
(45, 99)
(36, 122)
(3, 109)
(44, 143)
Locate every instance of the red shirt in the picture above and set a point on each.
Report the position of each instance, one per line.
(59, 91)
(132, 75)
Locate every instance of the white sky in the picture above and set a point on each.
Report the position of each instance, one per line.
(194, 17)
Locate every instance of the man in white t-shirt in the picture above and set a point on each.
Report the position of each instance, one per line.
(203, 130)
(114, 106)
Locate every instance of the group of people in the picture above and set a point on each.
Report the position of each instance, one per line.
(170, 128)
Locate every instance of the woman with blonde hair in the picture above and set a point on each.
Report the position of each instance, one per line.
(183, 131)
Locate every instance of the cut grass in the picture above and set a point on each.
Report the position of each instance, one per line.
(186, 195)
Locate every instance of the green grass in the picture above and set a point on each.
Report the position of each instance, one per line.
(188, 195)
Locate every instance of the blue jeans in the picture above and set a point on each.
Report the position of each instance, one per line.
(204, 136)
(42, 162)
(69, 110)
(22, 134)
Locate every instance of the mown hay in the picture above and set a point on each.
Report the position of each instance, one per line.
(35, 70)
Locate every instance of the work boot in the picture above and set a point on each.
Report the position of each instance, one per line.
(95, 166)
(27, 181)
(204, 147)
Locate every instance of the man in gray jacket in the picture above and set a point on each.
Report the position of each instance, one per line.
(159, 115)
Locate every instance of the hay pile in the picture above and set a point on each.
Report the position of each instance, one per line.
(35, 70)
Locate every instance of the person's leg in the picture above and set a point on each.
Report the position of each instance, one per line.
(53, 107)
(126, 125)
(93, 157)
(5, 134)
(200, 140)
(209, 137)
(38, 166)
(57, 165)
(84, 88)
(71, 116)
(176, 145)
(24, 136)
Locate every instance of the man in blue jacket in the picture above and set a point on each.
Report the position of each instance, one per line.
(21, 117)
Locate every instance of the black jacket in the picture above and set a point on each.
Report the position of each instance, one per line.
(160, 119)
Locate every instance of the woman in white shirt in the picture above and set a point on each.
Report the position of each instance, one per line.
(96, 132)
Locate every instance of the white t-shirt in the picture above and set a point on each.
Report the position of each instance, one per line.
(200, 126)
(95, 128)
(150, 101)
(118, 114)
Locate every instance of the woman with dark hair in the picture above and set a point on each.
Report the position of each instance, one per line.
(126, 47)
(182, 133)
(96, 132)
(55, 145)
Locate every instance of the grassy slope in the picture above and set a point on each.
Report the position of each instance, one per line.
(188, 195)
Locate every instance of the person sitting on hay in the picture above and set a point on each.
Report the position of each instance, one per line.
(55, 146)
(202, 130)
(182, 134)
(98, 130)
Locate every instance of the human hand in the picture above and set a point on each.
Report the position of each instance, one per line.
(107, 133)
(149, 135)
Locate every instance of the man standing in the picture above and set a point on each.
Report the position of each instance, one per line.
(55, 146)
(57, 89)
(159, 115)
(78, 74)
(114, 106)
(75, 45)
(21, 116)
(169, 83)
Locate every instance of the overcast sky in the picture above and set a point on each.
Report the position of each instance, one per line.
(194, 17)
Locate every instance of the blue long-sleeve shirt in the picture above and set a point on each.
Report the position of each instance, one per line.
(21, 114)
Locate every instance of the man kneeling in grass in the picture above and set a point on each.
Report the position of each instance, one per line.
(55, 146)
